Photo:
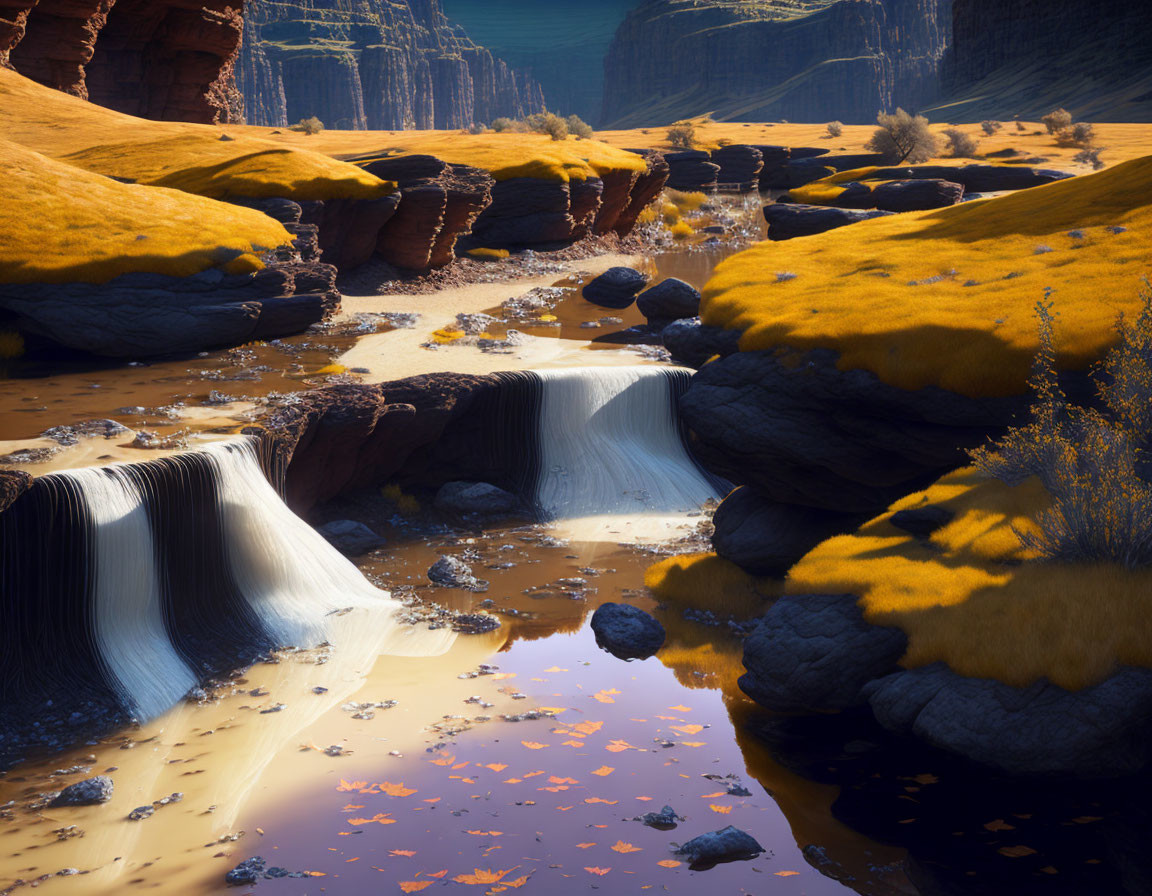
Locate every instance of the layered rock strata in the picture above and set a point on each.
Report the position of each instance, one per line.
(375, 65)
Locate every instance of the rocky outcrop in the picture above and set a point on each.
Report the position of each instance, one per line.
(377, 65)
(740, 166)
(692, 169)
(788, 220)
(749, 60)
(645, 188)
(144, 315)
(168, 60)
(12, 485)
(1026, 57)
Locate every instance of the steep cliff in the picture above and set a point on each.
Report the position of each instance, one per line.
(168, 60)
(1024, 57)
(808, 60)
(372, 64)
(563, 49)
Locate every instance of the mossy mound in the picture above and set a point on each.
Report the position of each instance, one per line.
(708, 582)
(63, 224)
(971, 597)
(946, 298)
(198, 159)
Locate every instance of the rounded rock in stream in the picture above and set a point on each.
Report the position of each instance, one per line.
(669, 300)
(91, 792)
(452, 572)
(615, 288)
(720, 846)
(476, 497)
(626, 632)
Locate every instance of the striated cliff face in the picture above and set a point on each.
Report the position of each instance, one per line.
(809, 60)
(1024, 57)
(375, 64)
(168, 60)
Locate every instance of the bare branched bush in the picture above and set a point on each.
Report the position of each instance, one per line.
(903, 138)
(991, 127)
(1080, 134)
(1090, 155)
(500, 125)
(1093, 462)
(310, 126)
(1020, 126)
(835, 129)
(682, 135)
(1058, 120)
(958, 144)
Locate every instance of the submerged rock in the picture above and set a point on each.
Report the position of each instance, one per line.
(720, 846)
(476, 497)
(248, 872)
(666, 819)
(91, 792)
(452, 572)
(627, 632)
(350, 537)
(615, 288)
(669, 300)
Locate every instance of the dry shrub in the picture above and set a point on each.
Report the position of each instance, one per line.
(1057, 121)
(958, 144)
(1090, 155)
(990, 127)
(1080, 134)
(902, 137)
(682, 135)
(500, 125)
(1092, 461)
(835, 129)
(578, 127)
(310, 126)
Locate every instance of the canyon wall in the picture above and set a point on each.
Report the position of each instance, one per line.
(748, 60)
(168, 60)
(372, 64)
(1025, 57)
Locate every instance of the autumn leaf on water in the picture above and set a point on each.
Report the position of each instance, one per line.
(596, 799)
(604, 771)
(600, 871)
(496, 767)
(680, 708)
(508, 885)
(503, 676)
(619, 746)
(350, 786)
(607, 695)
(693, 743)
(447, 760)
(514, 781)
(1017, 852)
(712, 796)
(584, 845)
(999, 825)
(688, 729)
(555, 669)
(533, 774)
(787, 873)
(572, 743)
(460, 765)
(485, 833)
(351, 807)
(554, 780)
(376, 819)
(414, 886)
(623, 847)
(407, 853)
(483, 877)
(395, 789)
(723, 810)
(582, 729)
(668, 863)
(532, 745)
(438, 874)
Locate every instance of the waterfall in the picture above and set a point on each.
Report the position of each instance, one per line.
(611, 447)
(138, 580)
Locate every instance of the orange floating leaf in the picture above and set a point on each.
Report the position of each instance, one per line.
(693, 743)
(668, 863)
(723, 810)
(680, 708)
(438, 874)
(712, 796)
(395, 789)
(999, 825)
(496, 767)
(554, 780)
(688, 729)
(786, 873)
(460, 765)
(351, 807)
(503, 676)
(447, 760)
(485, 833)
(596, 799)
(532, 745)
(483, 877)
(350, 786)
(407, 853)
(584, 729)
(619, 746)
(600, 871)
(514, 781)
(584, 845)
(572, 743)
(604, 771)
(1017, 852)
(555, 669)
(376, 819)
(623, 847)
(606, 696)
(414, 886)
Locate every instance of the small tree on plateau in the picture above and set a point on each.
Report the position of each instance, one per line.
(903, 138)
(682, 135)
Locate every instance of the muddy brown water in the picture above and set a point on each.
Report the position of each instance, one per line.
(307, 763)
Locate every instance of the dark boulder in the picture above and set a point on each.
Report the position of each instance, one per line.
(916, 195)
(767, 538)
(692, 170)
(91, 792)
(480, 498)
(616, 288)
(669, 300)
(815, 653)
(452, 572)
(627, 632)
(799, 171)
(740, 166)
(725, 845)
(13, 483)
(1099, 732)
(692, 343)
(350, 537)
(787, 220)
(976, 178)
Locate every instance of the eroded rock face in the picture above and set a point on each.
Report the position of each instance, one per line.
(1101, 731)
(803, 432)
(377, 65)
(744, 60)
(815, 653)
(788, 220)
(13, 484)
(164, 59)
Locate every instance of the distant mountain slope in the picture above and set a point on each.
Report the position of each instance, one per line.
(803, 60)
(561, 43)
(378, 64)
(1025, 57)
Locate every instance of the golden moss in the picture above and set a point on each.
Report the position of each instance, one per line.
(828, 189)
(63, 224)
(331, 370)
(686, 202)
(971, 598)
(198, 159)
(681, 230)
(489, 254)
(709, 582)
(407, 505)
(946, 297)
